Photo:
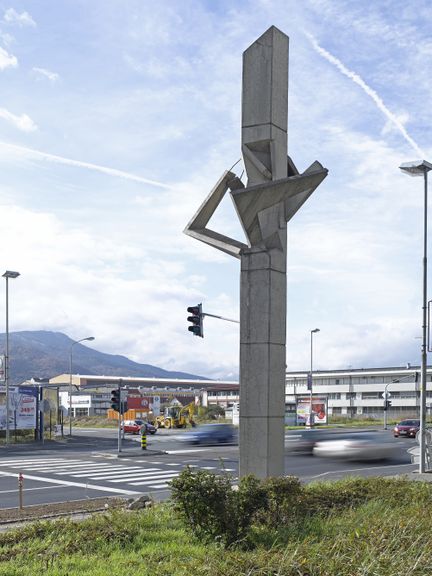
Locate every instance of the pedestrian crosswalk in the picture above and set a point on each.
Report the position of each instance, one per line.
(149, 474)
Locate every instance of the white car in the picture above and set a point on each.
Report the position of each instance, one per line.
(356, 446)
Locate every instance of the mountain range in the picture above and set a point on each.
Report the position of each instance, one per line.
(45, 354)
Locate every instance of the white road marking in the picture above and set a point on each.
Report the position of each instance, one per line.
(108, 471)
(75, 484)
(121, 474)
(86, 470)
(187, 451)
(151, 476)
(151, 482)
(33, 462)
(357, 470)
(65, 466)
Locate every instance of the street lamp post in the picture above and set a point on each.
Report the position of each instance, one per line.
(89, 338)
(419, 168)
(311, 419)
(8, 274)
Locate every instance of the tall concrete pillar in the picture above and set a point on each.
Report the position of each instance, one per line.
(274, 192)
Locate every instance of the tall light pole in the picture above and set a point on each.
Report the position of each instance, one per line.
(89, 338)
(311, 419)
(419, 168)
(8, 274)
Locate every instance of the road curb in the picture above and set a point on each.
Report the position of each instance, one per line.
(130, 454)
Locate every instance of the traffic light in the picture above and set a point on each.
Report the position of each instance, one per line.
(196, 318)
(387, 404)
(115, 399)
(124, 406)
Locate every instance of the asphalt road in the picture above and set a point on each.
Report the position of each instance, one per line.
(88, 466)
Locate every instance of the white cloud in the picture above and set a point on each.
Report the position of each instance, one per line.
(7, 60)
(23, 122)
(7, 39)
(24, 151)
(369, 91)
(106, 255)
(52, 76)
(11, 16)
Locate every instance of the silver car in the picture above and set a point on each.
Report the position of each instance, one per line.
(358, 446)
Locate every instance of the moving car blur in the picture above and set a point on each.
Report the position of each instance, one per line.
(303, 441)
(345, 445)
(357, 446)
(406, 428)
(212, 434)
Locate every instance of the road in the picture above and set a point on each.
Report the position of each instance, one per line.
(88, 466)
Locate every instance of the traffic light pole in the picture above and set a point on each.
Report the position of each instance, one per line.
(220, 318)
(385, 405)
(119, 440)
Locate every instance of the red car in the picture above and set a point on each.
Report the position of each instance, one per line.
(134, 427)
(406, 428)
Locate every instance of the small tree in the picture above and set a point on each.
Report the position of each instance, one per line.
(215, 412)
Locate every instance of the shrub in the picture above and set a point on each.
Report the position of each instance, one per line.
(213, 509)
(216, 511)
(282, 499)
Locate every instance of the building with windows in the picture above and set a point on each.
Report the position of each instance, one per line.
(360, 392)
(91, 394)
(357, 392)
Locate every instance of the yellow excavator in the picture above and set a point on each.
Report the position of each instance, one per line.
(176, 417)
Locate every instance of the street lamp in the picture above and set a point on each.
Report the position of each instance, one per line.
(311, 419)
(8, 274)
(89, 338)
(419, 168)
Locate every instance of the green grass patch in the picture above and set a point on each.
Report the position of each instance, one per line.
(354, 527)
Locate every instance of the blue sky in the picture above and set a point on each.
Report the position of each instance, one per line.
(116, 120)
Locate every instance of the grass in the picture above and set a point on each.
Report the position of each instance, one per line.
(387, 535)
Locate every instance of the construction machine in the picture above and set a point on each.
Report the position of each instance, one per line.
(176, 417)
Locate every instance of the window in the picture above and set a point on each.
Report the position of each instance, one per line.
(370, 395)
(334, 396)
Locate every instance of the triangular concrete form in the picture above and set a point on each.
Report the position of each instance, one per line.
(292, 192)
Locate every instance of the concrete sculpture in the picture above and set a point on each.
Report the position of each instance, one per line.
(274, 192)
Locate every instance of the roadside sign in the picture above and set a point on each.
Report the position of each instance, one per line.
(2, 368)
(386, 395)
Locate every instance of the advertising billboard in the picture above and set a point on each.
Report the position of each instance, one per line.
(144, 403)
(22, 408)
(319, 410)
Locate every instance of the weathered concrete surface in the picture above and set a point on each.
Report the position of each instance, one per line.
(274, 192)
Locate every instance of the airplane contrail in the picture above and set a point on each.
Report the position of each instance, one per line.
(369, 91)
(80, 164)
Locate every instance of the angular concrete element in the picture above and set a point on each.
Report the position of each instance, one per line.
(275, 191)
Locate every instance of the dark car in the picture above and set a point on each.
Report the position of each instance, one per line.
(304, 441)
(212, 434)
(134, 427)
(150, 429)
(406, 428)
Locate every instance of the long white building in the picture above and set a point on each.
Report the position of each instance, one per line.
(360, 392)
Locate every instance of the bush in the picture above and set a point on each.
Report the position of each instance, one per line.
(213, 509)
(282, 499)
(216, 511)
